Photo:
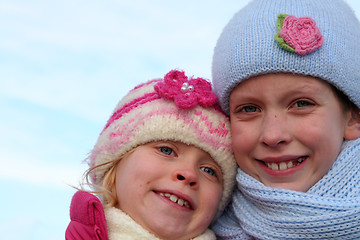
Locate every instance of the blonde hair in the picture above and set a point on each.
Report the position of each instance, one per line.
(106, 190)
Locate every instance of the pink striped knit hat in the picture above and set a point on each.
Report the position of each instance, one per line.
(175, 108)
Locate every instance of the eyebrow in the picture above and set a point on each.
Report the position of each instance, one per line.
(303, 88)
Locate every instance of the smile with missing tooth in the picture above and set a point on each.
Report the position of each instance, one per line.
(175, 199)
(279, 166)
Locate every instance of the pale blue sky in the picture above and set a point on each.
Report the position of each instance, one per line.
(63, 67)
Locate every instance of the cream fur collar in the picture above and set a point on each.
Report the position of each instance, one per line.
(121, 226)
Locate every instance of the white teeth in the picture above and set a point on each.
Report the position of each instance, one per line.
(274, 166)
(284, 165)
(173, 198)
(290, 164)
(176, 199)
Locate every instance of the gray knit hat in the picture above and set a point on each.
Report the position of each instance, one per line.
(251, 45)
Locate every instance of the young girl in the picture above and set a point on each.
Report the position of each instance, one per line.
(162, 166)
(287, 73)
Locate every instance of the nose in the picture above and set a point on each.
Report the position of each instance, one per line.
(187, 175)
(275, 130)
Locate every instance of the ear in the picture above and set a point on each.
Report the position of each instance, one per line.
(352, 128)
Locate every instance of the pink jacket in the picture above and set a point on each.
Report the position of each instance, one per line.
(87, 218)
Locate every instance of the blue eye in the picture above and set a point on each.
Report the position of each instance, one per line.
(303, 103)
(166, 150)
(208, 171)
(249, 109)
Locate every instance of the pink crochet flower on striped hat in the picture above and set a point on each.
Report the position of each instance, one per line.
(186, 93)
(299, 35)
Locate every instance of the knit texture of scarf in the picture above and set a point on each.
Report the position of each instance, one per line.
(122, 226)
(329, 210)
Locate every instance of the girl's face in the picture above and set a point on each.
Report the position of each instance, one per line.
(287, 130)
(169, 188)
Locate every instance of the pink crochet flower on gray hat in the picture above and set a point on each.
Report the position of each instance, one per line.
(186, 93)
(299, 35)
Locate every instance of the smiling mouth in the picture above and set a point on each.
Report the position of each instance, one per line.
(280, 166)
(175, 199)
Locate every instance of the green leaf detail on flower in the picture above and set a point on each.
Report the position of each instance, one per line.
(278, 39)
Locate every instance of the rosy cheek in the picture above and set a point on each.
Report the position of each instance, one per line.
(242, 140)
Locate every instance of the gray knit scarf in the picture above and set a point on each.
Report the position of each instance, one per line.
(329, 210)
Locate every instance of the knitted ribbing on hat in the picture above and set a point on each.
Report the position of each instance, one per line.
(247, 46)
(329, 210)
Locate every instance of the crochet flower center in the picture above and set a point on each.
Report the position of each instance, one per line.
(186, 92)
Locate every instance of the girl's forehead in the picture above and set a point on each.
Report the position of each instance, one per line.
(281, 80)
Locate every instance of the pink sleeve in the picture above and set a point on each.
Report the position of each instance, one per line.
(87, 218)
